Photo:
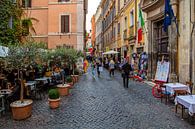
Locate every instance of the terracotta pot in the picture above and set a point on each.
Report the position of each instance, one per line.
(63, 89)
(54, 103)
(71, 84)
(20, 110)
(77, 77)
(73, 79)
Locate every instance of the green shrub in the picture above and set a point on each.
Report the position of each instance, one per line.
(69, 79)
(53, 94)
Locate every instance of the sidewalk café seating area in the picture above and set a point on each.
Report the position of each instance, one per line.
(36, 85)
(182, 96)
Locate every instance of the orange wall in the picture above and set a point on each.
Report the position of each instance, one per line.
(54, 16)
(93, 30)
(48, 28)
(54, 22)
(39, 3)
(54, 41)
(41, 26)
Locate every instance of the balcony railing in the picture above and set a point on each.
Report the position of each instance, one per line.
(131, 33)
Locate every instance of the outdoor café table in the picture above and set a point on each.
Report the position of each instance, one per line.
(2, 107)
(5, 92)
(171, 87)
(44, 79)
(187, 101)
(2, 78)
(31, 84)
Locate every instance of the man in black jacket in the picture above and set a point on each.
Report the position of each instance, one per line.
(126, 68)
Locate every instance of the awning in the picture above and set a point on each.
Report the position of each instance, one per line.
(110, 52)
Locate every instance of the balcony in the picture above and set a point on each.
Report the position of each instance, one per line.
(125, 34)
(131, 33)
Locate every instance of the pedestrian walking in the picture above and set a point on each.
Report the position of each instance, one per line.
(85, 65)
(93, 64)
(106, 63)
(111, 67)
(98, 66)
(126, 68)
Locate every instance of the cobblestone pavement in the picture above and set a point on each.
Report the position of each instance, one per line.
(102, 103)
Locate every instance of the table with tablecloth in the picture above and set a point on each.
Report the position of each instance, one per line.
(171, 87)
(187, 101)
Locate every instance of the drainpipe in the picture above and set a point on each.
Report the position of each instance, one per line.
(191, 44)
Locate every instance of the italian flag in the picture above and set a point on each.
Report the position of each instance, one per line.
(141, 25)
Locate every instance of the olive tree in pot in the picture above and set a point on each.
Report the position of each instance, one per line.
(19, 57)
(60, 58)
(73, 55)
(54, 98)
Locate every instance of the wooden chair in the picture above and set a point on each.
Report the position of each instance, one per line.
(184, 92)
(39, 90)
(164, 94)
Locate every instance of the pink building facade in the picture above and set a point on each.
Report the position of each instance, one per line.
(60, 22)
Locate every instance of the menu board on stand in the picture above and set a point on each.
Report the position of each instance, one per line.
(162, 71)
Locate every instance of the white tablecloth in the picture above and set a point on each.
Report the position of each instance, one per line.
(188, 101)
(31, 84)
(44, 79)
(171, 87)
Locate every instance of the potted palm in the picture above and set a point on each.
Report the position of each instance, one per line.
(54, 98)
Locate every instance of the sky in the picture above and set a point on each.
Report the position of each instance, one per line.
(92, 7)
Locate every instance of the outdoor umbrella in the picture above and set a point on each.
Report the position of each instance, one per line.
(110, 52)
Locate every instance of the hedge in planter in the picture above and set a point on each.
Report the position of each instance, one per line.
(54, 98)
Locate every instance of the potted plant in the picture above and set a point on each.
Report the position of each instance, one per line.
(54, 98)
(69, 81)
(19, 57)
(63, 88)
(76, 75)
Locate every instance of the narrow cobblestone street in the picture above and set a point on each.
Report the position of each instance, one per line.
(102, 103)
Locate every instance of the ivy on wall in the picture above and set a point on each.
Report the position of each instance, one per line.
(10, 13)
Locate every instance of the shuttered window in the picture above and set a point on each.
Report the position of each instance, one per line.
(26, 3)
(65, 25)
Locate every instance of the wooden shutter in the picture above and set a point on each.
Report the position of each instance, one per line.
(29, 3)
(62, 24)
(67, 24)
